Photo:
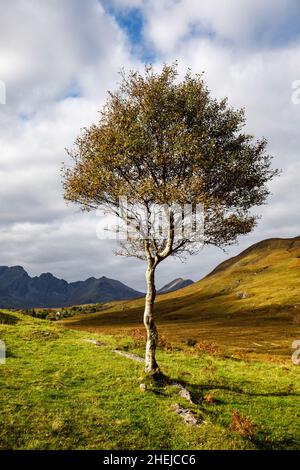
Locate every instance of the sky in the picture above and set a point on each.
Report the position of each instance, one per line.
(59, 58)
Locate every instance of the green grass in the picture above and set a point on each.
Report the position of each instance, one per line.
(60, 392)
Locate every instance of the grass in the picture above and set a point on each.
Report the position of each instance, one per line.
(61, 392)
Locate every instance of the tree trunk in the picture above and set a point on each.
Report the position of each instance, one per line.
(152, 336)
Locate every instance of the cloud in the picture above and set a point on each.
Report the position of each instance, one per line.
(51, 49)
(249, 23)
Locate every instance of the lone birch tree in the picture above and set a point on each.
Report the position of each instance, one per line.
(165, 145)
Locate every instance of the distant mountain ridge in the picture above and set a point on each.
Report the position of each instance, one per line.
(174, 285)
(19, 290)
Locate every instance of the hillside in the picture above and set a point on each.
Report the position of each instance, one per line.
(59, 391)
(19, 290)
(250, 302)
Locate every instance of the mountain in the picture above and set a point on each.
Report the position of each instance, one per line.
(101, 290)
(174, 285)
(250, 301)
(19, 290)
(283, 248)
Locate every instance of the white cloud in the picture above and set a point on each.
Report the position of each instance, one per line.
(51, 48)
(247, 22)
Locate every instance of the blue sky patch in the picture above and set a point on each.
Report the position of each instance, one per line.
(131, 21)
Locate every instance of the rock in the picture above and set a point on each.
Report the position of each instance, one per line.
(183, 392)
(188, 416)
(242, 295)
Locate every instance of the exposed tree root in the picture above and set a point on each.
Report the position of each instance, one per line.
(134, 357)
(183, 392)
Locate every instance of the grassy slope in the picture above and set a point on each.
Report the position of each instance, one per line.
(60, 392)
(263, 323)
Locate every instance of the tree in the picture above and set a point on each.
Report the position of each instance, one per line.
(164, 143)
